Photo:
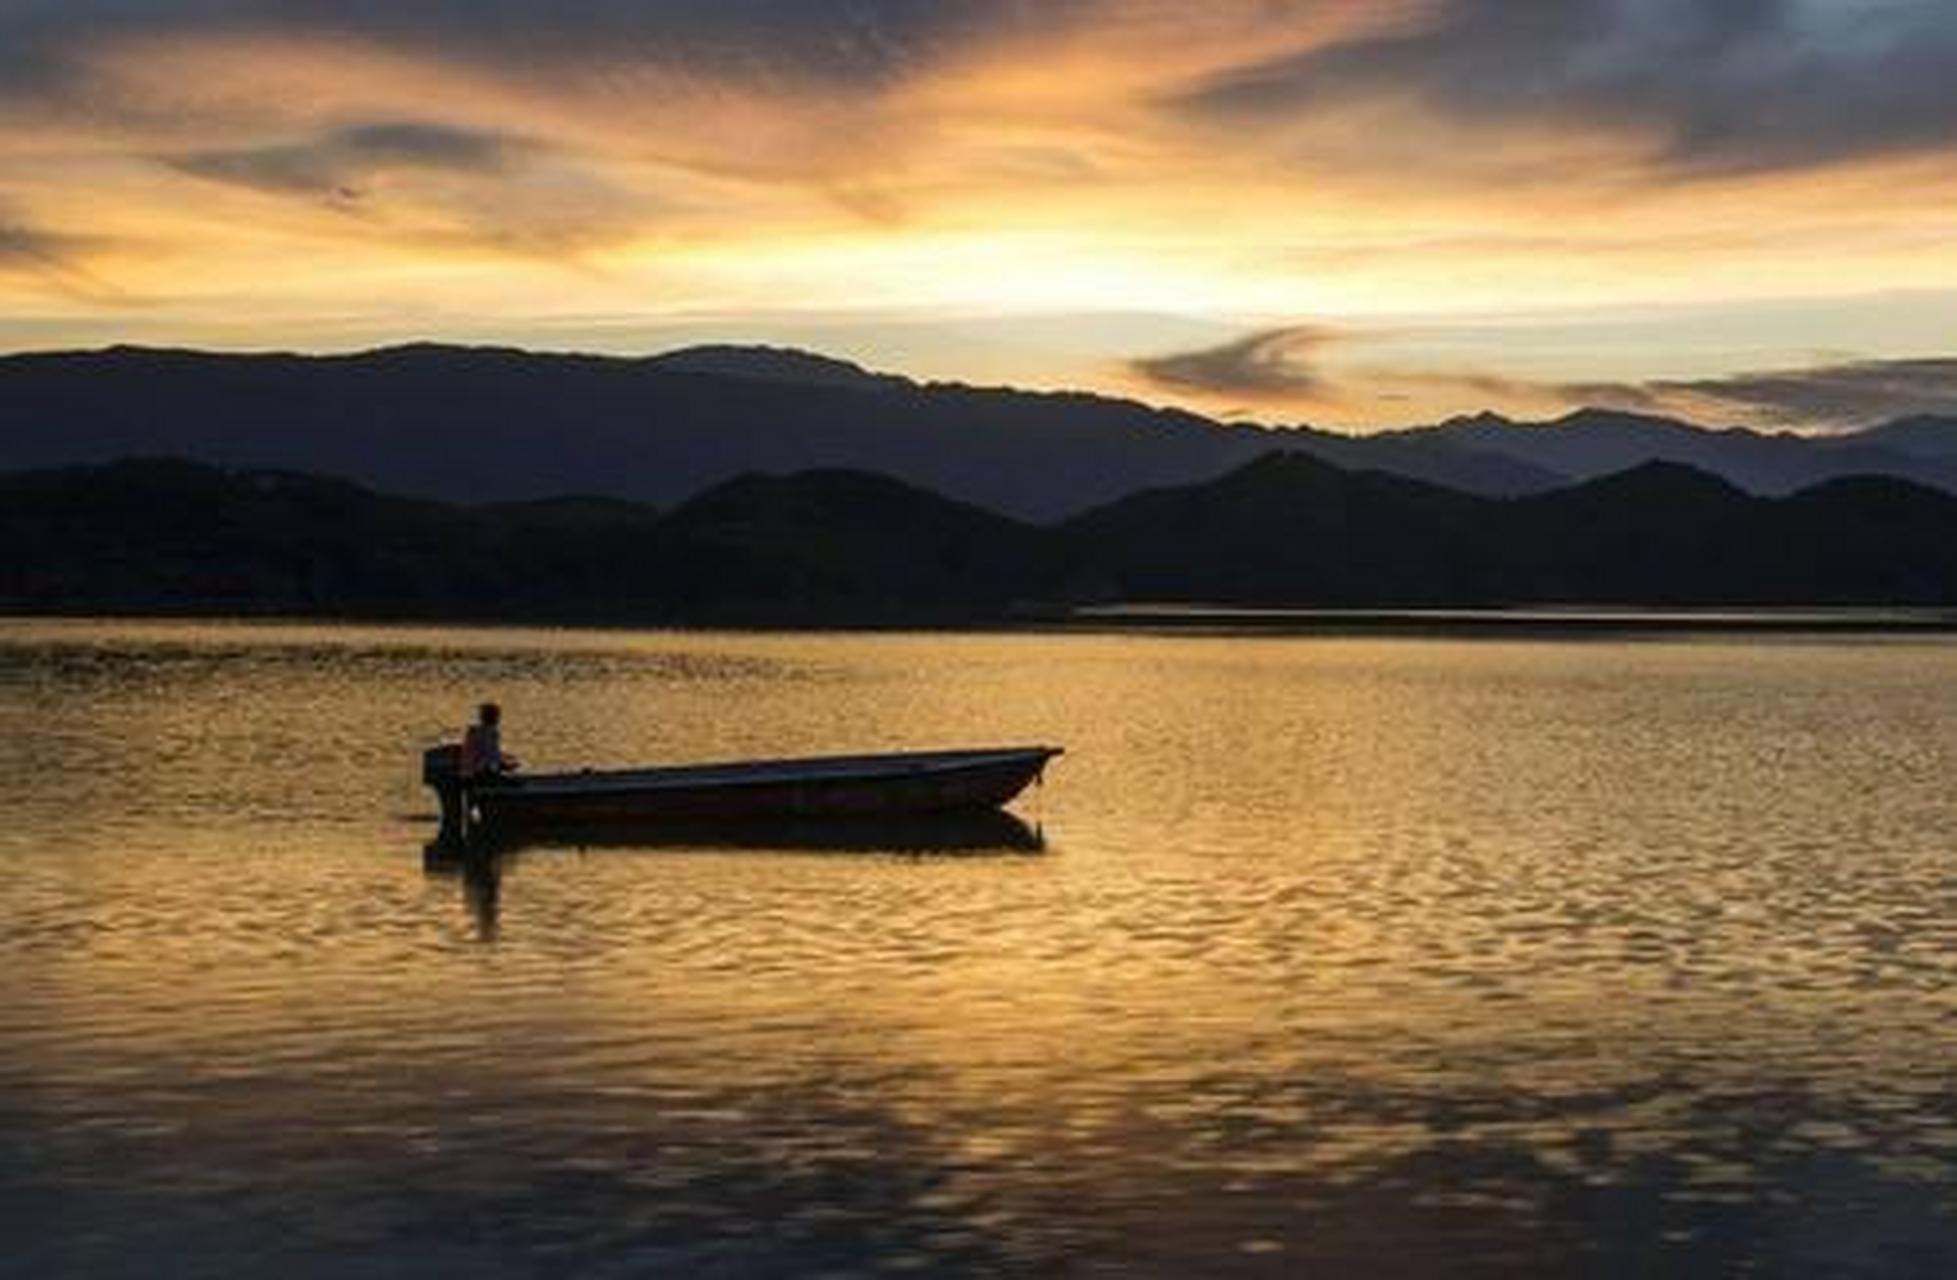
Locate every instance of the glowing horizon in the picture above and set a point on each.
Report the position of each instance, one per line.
(1358, 214)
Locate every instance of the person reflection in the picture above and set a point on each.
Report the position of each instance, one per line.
(480, 873)
(482, 882)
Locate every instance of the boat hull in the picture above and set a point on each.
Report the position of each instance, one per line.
(837, 788)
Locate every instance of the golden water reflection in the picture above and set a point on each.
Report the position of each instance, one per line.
(1355, 955)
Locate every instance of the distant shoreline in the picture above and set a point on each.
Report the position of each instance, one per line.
(1530, 620)
(1526, 622)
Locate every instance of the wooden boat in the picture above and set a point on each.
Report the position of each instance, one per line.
(822, 788)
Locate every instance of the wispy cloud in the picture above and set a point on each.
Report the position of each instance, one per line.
(441, 187)
(339, 165)
(1287, 370)
(859, 45)
(1829, 395)
(1275, 365)
(1739, 85)
(24, 247)
(1385, 162)
(1307, 370)
(55, 261)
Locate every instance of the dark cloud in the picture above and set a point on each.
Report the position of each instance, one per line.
(1719, 85)
(56, 260)
(850, 43)
(1282, 366)
(25, 248)
(399, 181)
(339, 165)
(429, 146)
(1272, 365)
(847, 41)
(1849, 394)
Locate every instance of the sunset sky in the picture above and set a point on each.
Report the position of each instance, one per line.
(1352, 212)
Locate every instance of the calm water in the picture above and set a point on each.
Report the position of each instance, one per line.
(1344, 957)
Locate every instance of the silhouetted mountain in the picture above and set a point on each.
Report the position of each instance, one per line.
(830, 543)
(1863, 540)
(1597, 442)
(166, 534)
(179, 537)
(1925, 436)
(843, 547)
(483, 425)
(775, 364)
(1433, 459)
(1293, 531)
(1659, 532)
(1286, 527)
(1582, 445)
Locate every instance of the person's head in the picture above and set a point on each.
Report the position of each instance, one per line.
(490, 713)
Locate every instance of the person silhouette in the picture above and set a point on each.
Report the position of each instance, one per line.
(482, 746)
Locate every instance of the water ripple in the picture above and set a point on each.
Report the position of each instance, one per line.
(1379, 957)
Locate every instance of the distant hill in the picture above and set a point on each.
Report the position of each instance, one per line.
(1287, 527)
(482, 425)
(842, 543)
(173, 537)
(775, 364)
(486, 425)
(1659, 532)
(1291, 530)
(1597, 442)
(1434, 459)
(1925, 436)
(849, 548)
(477, 425)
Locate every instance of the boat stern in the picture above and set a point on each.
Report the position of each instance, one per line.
(441, 770)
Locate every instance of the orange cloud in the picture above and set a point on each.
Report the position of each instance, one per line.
(1386, 165)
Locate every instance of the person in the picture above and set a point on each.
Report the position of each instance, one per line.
(482, 746)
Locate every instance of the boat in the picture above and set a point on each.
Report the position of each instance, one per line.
(825, 788)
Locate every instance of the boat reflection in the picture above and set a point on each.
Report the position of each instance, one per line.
(480, 864)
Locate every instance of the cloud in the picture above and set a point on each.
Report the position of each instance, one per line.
(339, 165)
(1834, 395)
(858, 43)
(778, 91)
(1272, 365)
(1307, 370)
(438, 187)
(27, 249)
(1299, 369)
(1718, 87)
(53, 260)
(1731, 86)
(1389, 162)
(1287, 369)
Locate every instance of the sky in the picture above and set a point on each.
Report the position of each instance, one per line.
(1356, 213)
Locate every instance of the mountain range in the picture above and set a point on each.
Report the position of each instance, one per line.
(489, 425)
(836, 547)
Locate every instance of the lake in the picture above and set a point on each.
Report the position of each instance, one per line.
(1336, 956)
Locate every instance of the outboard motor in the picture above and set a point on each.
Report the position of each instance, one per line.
(441, 768)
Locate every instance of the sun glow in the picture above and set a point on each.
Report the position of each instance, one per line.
(1252, 166)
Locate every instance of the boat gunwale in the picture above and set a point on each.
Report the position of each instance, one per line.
(812, 770)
